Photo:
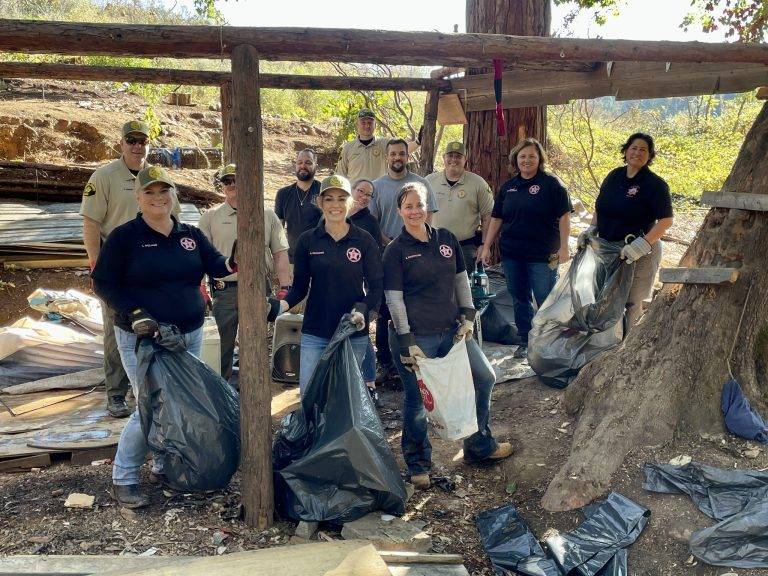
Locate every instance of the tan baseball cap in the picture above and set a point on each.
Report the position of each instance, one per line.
(152, 174)
(335, 182)
(136, 127)
(456, 146)
(228, 170)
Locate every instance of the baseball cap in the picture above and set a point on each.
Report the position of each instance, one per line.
(335, 182)
(136, 126)
(228, 170)
(152, 174)
(456, 146)
(366, 113)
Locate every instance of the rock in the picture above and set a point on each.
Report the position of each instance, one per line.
(511, 488)
(395, 535)
(681, 460)
(129, 514)
(77, 500)
(752, 453)
(387, 518)
(306, 530)
(218, 537)
(149, 552)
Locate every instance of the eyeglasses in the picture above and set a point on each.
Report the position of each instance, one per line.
(130, 140)
(228, 181)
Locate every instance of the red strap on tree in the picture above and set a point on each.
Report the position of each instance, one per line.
(498, 69)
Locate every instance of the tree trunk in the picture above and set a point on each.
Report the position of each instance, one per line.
(427, 159)
(487, 152)
(666, 379)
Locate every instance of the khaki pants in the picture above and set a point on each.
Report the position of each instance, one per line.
(642, 284)
(226, 314)
(115, 379)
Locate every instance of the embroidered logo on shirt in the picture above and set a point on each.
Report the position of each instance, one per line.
(188, 243)
(632, 191)
(149, 245)
(376, 152)
(461, 193)
(317, 253)
(412, 256)
(534, 189)
(446, 250)
(90, 190)
(353, 255)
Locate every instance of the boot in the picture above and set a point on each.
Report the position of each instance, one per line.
(421, 481)
(130, 496)
(117, 407)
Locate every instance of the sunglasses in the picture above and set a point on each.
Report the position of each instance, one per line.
(228, 181)
(130, 140)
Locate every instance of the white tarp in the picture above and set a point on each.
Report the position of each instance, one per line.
(71, 304)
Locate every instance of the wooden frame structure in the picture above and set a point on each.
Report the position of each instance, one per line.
(592, 61)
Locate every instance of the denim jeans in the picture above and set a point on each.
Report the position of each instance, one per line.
(417, 450)
(132, 447)
(312, 348)
(527, 281)
(369, 364)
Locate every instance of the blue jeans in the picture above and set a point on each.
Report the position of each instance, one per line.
(312, 348)
(417, 450)
(132, 447)
(369, 364)
(527, 281)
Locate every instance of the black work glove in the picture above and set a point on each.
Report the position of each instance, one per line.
(275, 307)
(143, 325)
(232, 260)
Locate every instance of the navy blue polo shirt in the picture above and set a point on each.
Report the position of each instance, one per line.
(368, 222)
(530, 210)
(299, 210)
(333, 273)
(425, 272)
(139, 267)
(631, 205)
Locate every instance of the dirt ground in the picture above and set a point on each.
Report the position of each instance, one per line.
(33, 519)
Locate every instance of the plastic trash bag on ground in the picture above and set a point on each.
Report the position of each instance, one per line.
(331, 458)
(740, 418)
(609, 526)
(188, 413)
(511, 546)
(583, 315)
(738, 498)
(499, 320)
(449, 393)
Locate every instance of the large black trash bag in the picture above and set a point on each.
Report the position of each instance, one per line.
(583, 315)
(609, 526)
(511, 546)
(738, 498)
(498, 320)
(188, 413)
(617, 566)
(331, 458)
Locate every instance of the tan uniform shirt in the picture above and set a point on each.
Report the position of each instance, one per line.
(360, 161)
(219, 224)
(462, 205)
(109, 197)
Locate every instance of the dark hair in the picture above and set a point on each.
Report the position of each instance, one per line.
(417, 187)
(647, 138)
(396, 142)
(309, 152)
(524, 143)
(359, 180)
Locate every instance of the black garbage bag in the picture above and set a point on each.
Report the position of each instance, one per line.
(511, 546)
(617, 566)
(583, 316)
(738, 498)
(609, 526)
(331, 458)
(499, 320)
(188, 413)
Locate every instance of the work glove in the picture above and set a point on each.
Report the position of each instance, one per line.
(357, 319)
(466, 324)
(635, 250)
(143, 325)
(409, 350)
(275, 308)
(283, 292)
(583, 239)
(232, 260)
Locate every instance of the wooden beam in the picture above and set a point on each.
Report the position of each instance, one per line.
(25, 463)
(225, 92)
(698, 275)
(427, 160)
(255, 397)
(348, 45)
(740, 201)
(208, 78)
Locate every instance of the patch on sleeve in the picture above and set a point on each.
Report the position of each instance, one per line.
(89, 190)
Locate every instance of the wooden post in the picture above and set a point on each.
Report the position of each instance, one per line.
(427, 162)
(255, 396)
(226, 121)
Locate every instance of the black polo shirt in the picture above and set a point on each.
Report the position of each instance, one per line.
(333, 272)
(368, 222)
(631, 205)
(139, 267)
(299, 210)
(530, 210)
(425, 272)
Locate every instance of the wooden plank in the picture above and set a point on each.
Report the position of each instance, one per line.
(698, 275)
(737, 200)
(397, 557)
(25, 463)
(427, 570)
(85, 457)
(71, 381)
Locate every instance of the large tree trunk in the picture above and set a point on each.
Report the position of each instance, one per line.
(667, 377)
(487, 152)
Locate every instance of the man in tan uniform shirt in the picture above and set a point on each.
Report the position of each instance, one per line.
(464, 199)
(219, 224)
(108, 201)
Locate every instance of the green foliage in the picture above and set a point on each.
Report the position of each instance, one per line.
(151, 118)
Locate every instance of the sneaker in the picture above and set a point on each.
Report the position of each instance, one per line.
(117, 407)
(421, 481)
(130, 496)
(521, 352)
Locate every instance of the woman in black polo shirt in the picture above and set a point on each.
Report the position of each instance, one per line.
(149, 272)
(634, 207)
(532, 210)
(430, 302)
(332, 264)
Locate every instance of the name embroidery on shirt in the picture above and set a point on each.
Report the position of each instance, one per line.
(317, 253)
(446, 250)
(632, 191)
(412, 256)
(534, 189)
(188, 243)
(354, 255)
(149, 245)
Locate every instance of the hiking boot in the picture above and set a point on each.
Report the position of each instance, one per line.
(117, 407)
(521, 352)
(129, 496)
(384, 373)
(157, 478)
(503, 450)
(421, 481)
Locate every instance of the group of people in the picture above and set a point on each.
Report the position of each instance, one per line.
(374, 241)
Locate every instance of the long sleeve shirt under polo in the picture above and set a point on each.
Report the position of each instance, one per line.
(333, 274)
(139, 267)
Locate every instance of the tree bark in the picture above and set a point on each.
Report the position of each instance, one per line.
(486, 151)
(427, 155)
(225, 91)
(255, 395)
(666, 379)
